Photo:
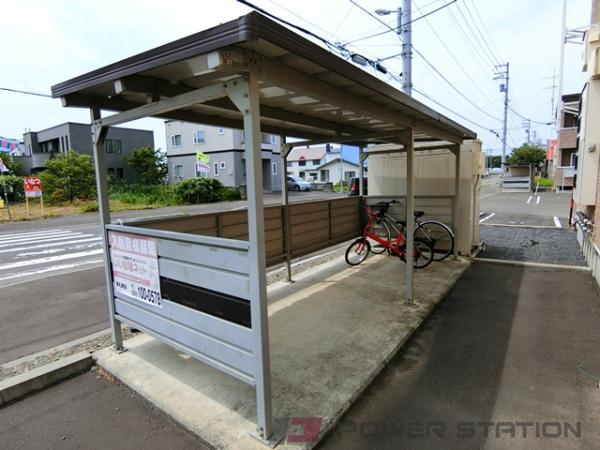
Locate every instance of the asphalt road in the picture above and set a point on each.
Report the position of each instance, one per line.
(52, 286)
(509, 345)
(545, 208)
(89, 412)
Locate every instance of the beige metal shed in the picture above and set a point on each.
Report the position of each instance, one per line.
(255, 74)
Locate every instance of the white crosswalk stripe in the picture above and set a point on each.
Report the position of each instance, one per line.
(26, 255)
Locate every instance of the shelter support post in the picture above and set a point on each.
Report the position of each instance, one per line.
(410, 208)
(457, 196)
(245, 95)
(361, 168)
(285, 148)
(98, 138)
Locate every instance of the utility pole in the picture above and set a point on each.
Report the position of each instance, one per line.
(502, 73)
(406, 37)
(404, 31)
(527, 127)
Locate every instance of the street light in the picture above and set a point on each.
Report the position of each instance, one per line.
(405, 35)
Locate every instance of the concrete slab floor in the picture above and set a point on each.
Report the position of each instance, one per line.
(331, 332)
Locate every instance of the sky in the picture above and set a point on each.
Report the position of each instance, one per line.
(44, 43)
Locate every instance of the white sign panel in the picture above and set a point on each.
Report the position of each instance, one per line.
(134, 262)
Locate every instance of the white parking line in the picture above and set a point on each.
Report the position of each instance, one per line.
(557, 222)
(488, 217)
(529, 199)
(538, 199)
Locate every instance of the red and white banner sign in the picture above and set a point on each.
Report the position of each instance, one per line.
(32, 186)
(134, 262)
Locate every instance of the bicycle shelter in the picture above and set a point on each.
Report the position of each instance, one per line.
(202, 293)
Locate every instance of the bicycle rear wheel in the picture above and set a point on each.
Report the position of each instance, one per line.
(422, 255)
(382, 231)
(438, 235)
(357, 252)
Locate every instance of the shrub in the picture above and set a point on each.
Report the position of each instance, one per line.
(14, 187)
(69, 176)
(139, 194)
(199, 190)
(229, 194)
(92, 207)
(150, 164)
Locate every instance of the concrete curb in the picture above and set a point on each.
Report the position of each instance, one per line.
(19, 386)
(505, 262)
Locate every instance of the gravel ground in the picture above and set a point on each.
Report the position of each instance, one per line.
(542, 245)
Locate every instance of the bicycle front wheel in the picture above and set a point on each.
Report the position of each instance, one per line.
(357, 252)
(381, 230)
(438, 235)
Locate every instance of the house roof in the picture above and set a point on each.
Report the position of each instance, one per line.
(306, 153)
(306, 91)
(337, 161)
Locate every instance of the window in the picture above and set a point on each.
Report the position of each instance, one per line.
(265, 138)
(117, 147)
(302, 163)
(108, 144)
(198, 137)
(67, 142)
(62, 143)
(301, 174)
(178, 170)
(316, 162)
(349, 174)
(222, 165)
(274, 168)
(325, 175)
(221, 131)
(216, 169)
(290, 164)
(272, 139)
(120, 173)
(176, 140)
(313, 175)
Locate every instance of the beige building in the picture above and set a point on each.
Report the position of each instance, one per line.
(565, 157)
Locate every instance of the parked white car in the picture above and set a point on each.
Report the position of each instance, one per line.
(298, 184)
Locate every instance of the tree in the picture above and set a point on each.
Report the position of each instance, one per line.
(527, 154)
(11, 163)
(150, 164)
(69, 176)
(495, 161)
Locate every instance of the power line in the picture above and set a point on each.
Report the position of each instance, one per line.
(18, 91)
(395, 30)
(483, 40)
(527, 118)
(428, 97)
(443, 77)
(499, 56)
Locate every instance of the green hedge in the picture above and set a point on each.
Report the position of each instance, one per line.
(14, 187)
(199, 190)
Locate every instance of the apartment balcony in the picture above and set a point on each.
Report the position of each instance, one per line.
(564, 176)
(567, 137)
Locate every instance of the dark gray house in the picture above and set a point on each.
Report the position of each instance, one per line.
(39, 146)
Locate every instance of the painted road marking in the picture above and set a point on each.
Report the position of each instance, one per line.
(49, 259)
(51, 269)
(8, 239)
(529, 199)
(538, 200)
(488, 217)
(50, 251)
(36, 241)
(557, 222)
(32, 233)
(53, 244)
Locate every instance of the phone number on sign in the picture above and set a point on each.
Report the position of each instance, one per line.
(148, 295)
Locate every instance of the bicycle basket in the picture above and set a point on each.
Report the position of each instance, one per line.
(380, 209)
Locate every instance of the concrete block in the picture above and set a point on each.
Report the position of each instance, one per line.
(14, 388)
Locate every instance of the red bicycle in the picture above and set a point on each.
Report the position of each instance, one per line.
(360, 248)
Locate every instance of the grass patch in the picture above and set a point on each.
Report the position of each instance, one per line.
(544, 182)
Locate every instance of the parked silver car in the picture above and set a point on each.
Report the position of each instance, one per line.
(298, 184)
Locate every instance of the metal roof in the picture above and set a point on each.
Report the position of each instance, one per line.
(305, 90)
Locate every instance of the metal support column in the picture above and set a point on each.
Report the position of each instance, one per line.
(457, 198)
(410, 208)
(286, 209)
(98, 138)
(361, 167)
(245, 95)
